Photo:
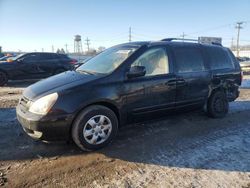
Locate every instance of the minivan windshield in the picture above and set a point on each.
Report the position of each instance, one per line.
(15, 58)
(108, 60)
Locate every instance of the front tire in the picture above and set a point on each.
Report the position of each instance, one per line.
(217, 106)
(3, 78)
(95, 127)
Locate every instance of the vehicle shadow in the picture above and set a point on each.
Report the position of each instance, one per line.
(189, 140)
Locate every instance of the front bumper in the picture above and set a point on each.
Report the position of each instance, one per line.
(47, 128)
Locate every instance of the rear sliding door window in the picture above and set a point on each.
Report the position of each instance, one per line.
(188, 60)
(219, 58)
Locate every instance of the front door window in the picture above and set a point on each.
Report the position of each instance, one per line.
(155, 61)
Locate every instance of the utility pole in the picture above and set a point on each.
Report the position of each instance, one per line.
(87, 43)
(238, 27)
(42, 50)
(183, 36)
(52, 48)
(130, 35)
(232, 43)
(66, 48)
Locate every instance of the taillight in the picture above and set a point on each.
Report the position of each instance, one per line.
(73, 61)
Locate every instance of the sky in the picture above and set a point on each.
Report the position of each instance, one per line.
(36, 25)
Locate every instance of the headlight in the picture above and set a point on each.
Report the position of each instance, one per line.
(44, 104)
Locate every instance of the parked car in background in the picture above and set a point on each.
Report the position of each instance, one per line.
(244, 64)
(81, 59)
(129, 83)
(34, 66)
(5, 58)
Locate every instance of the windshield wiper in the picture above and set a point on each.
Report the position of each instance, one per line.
(84, 71)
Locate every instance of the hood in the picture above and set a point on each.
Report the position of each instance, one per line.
(5, 62)
(64, 80)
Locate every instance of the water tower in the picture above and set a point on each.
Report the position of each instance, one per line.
(78, 44)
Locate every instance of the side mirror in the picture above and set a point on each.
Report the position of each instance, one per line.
(136, 71)
(19, 60)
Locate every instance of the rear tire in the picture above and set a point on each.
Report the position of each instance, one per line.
(95, 127)
(217, 105)
(3, 78)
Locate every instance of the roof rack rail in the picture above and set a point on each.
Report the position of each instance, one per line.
(181, 39)
(216, 43)
(192, 40)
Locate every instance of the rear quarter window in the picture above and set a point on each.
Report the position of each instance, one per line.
(219, 58)
(63, 56)
(188, 59)
(46, 56)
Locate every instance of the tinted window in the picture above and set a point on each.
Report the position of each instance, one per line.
(219, 58)
(155, 61)
(63, 56)
(188, 60)
(48, 56)
(30, 58)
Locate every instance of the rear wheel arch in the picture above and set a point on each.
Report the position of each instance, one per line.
(213, 89)
(221, 89)
(212, 110)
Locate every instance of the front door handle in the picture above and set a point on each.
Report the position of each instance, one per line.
(171, 82)
(180, 82)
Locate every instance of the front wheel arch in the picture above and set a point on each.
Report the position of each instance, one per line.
(80, 120)
(6, 77)
(101, 103)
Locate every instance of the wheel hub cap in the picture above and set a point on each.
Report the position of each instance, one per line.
(97, 129)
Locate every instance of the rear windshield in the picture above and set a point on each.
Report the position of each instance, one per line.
(108, 60)
(219, 58)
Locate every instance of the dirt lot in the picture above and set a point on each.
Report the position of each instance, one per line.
(185, 150)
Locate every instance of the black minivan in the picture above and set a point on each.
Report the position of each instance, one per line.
(35, 65)
(129, 83)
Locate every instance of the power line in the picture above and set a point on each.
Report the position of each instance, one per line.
(210, 29)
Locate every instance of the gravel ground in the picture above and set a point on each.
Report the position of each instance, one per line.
(185, 150)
